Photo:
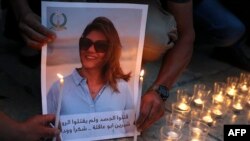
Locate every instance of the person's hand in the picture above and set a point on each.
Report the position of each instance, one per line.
(151, 110)
(37, 128)
(33, 32)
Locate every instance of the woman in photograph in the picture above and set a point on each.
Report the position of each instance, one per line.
(100, 84)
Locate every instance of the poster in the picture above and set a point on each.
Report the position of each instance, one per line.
(87, 40)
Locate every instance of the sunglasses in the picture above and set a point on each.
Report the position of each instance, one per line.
(100, 46)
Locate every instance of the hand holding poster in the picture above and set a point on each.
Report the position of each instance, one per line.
(98, 50)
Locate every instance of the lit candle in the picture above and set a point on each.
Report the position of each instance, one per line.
(172, 135)
(233, 118)
(208, 118)
(195, 139)
(237, 106)
(248, 101)
(178, 123)
(138, 100)
(218, 98)
(198, 102)
(183, 106)
(141, 81)
(59, 102)
(217, 112)
(244, 88)
(139, 91)
(196, 132)
(231, 91)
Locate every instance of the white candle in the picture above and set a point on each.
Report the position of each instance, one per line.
(237, 106)
(244, 88)
(59, 102)
(217, 112)
(138, 99)
(178, 122)
(183, 106)
(198, 101)
(208, 119)
(196, 132)
(194, 139)
(172, 134)
(218, 98)
(231, 91)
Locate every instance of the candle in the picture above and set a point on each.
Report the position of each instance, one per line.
(141, 82)
(198, 102)
(233, 118)
(244, 88)
(183, 106)
(172, 134)
(195, 139)
(248, 100)
(59, 102)
(237, 106)
(138, 100)
(140, 91)
(196, 132)
(208, 119)
(218, 98)
(178, 123)
(231, 91)
(217, 112)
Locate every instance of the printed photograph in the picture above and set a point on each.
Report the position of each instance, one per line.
(90, 73)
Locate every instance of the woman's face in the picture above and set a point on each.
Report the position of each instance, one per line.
(91, 58)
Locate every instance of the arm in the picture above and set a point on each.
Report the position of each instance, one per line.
(174, 63)
(32, 129)
(176, 60)
(33, 32)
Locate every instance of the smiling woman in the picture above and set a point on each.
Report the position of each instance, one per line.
(100, 79)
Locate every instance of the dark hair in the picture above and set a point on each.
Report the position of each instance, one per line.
(112, 69)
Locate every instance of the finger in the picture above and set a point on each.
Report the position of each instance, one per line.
(32, 34)
(50, 132)
(31, 43)
(144, 112)
(46, 119)
(46, 32)
(49, 118)
(151, 119)
(156, 112)
(37, 26)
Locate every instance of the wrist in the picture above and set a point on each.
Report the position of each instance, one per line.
(161, 90)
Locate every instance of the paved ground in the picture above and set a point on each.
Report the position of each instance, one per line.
(19, 83)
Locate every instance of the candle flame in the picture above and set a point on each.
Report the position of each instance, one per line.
(142, 73)
(60, 77)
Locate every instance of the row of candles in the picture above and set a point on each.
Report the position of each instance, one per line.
(206, 106)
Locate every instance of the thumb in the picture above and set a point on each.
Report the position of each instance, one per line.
(45, 119)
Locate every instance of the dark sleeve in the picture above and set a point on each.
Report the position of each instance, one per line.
(11, 29)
